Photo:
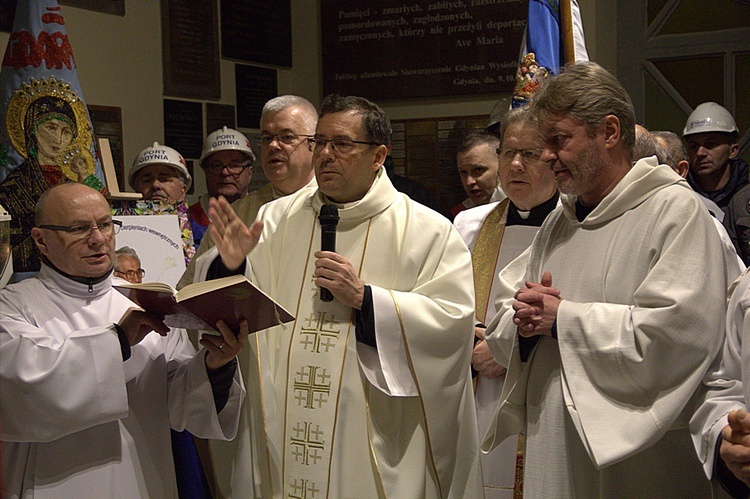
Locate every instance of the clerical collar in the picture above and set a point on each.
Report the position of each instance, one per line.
(583, 211)
(533, 217)
(88, 281)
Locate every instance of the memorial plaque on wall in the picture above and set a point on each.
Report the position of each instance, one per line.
(255, 86)
(394, 50)
(190, 49)
(183, 127)
(107, 124)
(257, 31)
(219, 115)
(7, 14)
(425, 150)
(106, 6)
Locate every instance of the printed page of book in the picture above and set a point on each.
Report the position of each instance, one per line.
(201, 305)
(158, 241)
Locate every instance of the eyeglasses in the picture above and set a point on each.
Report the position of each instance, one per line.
(530, 156)
(287, 138)
(342, 146)
(132, 274)
(234, 168)
(84, 231)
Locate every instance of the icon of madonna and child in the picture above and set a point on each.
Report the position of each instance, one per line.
(49, 127)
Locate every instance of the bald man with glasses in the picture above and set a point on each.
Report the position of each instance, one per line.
(376, 381)
(90, 385)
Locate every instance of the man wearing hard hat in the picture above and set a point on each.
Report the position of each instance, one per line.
(711, 135)
(227, 161)
(160, 174)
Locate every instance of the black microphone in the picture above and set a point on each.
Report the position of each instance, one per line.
(329, 219)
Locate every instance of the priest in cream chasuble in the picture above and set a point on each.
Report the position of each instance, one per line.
(350, 402)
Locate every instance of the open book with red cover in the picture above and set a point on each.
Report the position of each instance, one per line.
(201, 304)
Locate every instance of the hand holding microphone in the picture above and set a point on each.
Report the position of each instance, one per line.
(333, 270)
(329, 219)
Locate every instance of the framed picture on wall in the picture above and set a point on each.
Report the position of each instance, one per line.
(7, 15)
(190, 49)
(107, 6)
(107, 124)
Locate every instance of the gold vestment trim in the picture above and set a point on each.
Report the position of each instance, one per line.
(484, 257)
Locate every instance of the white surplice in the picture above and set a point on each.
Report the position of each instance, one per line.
(398, 420)
(499, 465)
(605, 406)
(728, 381)
(77, 421)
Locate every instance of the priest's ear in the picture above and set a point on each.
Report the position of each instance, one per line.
(381, 152)
(682, 168)
(38, 236)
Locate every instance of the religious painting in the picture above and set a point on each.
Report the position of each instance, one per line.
(45, 131)
(48, 127)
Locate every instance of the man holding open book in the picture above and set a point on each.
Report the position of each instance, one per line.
(88, 391)
(368, 394)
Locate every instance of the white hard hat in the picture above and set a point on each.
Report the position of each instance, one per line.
(710, 117)
(160, 155)
(226, 139)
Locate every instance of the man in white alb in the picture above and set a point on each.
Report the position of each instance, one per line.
(610, 319)
(88, 392)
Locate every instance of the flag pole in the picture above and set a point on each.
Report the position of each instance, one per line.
(566, 30)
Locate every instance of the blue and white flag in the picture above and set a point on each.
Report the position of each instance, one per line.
(551, 27)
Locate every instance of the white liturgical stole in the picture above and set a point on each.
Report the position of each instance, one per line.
(317, 352)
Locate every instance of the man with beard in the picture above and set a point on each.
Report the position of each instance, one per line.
(286, 123)
(602, 367)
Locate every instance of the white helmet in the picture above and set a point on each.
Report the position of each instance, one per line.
(226, 139)
(160, 155)
(710, 117)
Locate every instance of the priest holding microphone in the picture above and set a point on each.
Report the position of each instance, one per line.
(367, 394)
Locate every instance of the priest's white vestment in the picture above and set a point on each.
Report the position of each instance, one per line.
(728, 381)
(77, 421)
(501, 243)
(336, 417)
(605, 406)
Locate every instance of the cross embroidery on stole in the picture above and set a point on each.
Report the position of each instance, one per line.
(316, 360)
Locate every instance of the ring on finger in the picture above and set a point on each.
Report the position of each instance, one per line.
(221, 346)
